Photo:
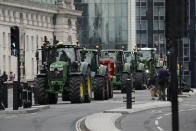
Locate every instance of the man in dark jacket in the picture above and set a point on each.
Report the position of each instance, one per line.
(4, 77)
(163, 77)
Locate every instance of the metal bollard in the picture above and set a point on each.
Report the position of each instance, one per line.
(16, 86)
(129, 93)
(1, 96)
(5, 95)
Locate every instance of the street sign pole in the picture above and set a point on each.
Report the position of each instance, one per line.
(174, 86)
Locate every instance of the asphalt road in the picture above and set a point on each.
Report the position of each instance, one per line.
(63, 116)
(160, 119)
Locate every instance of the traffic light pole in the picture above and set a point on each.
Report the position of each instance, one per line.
(174, 84)
(18, 62)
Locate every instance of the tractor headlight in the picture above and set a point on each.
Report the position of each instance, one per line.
(147, 71)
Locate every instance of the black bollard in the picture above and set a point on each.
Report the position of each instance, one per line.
(5, 95)
(1, 96)
(16, 87)
(129, 94)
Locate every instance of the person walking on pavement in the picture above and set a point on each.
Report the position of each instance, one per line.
(11, 76)
(163, 77)
(4, 77)
(152, 86)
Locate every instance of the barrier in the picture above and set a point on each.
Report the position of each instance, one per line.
(3, 95)
(22, 95)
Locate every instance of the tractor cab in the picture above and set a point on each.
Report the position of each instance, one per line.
(92, 58)
(114, 60)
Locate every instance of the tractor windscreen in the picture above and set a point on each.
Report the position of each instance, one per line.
(109, 55)
(146, 54)
(128, 57)
(88, 57)
(66, 54)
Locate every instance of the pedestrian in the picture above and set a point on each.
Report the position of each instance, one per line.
(163, 78)
(4, 77)
(11, 76)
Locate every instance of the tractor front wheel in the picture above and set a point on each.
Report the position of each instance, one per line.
(41, 95)
(99, 88)
(77, 89)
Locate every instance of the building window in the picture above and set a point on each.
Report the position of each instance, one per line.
(32, 43)
(4, 40)
(4, 62)
(69, 22)
(159, 11)
(186, 52)
(158, 25)
(138, 11)
(27, 43)
(143, 11)
(9, 40)
(186, 66)
(144, 25)
(155, 25)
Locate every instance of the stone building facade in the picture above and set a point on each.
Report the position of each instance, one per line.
(35, 19)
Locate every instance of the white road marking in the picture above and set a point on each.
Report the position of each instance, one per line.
(156, 122)
(10, 117)
(167, 114)
(159, 128)
(78, 123)
(160, 117)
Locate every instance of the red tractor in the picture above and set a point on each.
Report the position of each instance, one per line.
(109, 62)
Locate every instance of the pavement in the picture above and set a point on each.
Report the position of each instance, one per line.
(33, 109)
(9, 110)
(105, 121)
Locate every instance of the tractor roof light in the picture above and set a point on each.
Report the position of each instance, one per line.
(123, 47)
(43, 43)
(60, 42)
(97, 47)
(77, 42)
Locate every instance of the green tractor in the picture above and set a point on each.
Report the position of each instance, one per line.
(118, 71)
(101, 85)
(145, 67)
(129, 69)
(62, 72)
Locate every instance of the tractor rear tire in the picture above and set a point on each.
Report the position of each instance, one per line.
(88, 88)
(110, 89)
(99, 88)
(65, 96)
(41, 96)
(77, 89)
(53, 98)
(124, 82)
(139, 81)
(107, 86)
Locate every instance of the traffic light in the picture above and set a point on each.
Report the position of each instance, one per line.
(176, 18)
(15, 40)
